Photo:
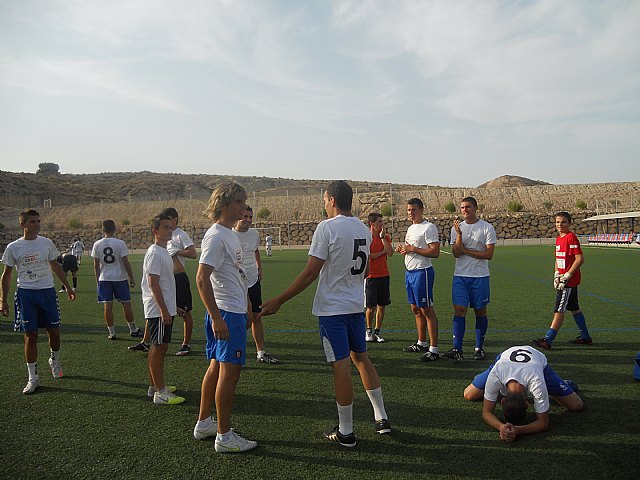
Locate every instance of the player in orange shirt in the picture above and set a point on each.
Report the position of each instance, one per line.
(377, 291)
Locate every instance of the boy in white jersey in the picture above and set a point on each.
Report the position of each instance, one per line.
(112, 270)
(222, 286)
(339, 258)
(36, 301)
(159, 300)
(269, 244)
(421, 245)
(252, 265)
(77, 249)
(518, 373)
(472, 243)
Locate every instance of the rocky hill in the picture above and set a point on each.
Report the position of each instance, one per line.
(511, 181)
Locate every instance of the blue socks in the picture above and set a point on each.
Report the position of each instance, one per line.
(458, 332)
(482, 324)
(551, 335)
(582, 326)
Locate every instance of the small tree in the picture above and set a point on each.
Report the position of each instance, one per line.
(581, 204)
(126, 221)
(264, 213)
(386, 210)
(547, 205)
(75, 223)
(450, 207)
(48, 168)
(515, 206)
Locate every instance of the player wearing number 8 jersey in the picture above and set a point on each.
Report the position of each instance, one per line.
(518, 373)
(339, 259)
(112, 269)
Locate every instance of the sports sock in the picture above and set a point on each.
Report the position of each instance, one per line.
(369, 330)
(206, 423)
(75, 282)
(132, 327)
(375, 397)
(112, 330)
(345, 418)
(551, 335)
(582, 326)
(434, 350)
(377, 331)
(458, 332)
(422, 344)
(482, 324)
(33, 370)
(55, 356)
(260, 353)
(223, 437)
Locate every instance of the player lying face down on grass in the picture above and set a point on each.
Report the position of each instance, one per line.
(520, 373)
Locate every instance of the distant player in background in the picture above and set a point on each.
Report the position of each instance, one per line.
(252, 265)
(269, 244)
(112, 270)
(69, 263)
(569, 259)
(377, 288)
(519, 373)
(472, 243)
(159, 300)
(420, 246)
(36, 301)
(77, 249)
(339, 259)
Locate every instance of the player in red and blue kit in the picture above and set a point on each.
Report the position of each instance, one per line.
(569, 259)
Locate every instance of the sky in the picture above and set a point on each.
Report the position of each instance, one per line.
(450, 92)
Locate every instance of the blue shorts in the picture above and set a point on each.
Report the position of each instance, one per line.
(233, 350)
(556, 387)
(36, 309)
(108, 290)
(341, 335)
(419, 285)
(471, 292)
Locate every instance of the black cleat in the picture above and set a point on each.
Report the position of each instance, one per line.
(383, 426)
(334, 435)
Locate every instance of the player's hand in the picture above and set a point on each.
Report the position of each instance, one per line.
(167, 319)
(181, 312)
(4, 308)
(456, 226)
(71, 295)
(562, 281)
(269, 307)
(401, 249)
(220, 329)
(556, 280)
(260, 274)
(507, 433)
(132, 283)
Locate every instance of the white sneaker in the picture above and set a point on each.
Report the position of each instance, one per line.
(378, 338)
(151, 391)
(56, 369)
(369, 336)
(167, 398)
(235, 444)
(31, 386)
(202, 433)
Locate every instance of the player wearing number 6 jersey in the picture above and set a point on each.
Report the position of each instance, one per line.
(112, 268)
(339, 259)
(519, 373)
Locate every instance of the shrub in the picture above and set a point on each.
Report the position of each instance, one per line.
(386, 210)
(75, 223)
(450, 207)
(547, 205)
(264, 213)
(48, 168)
(515, 206)
(50, 226)
(581, 204)
(126, 221)
(296, 215)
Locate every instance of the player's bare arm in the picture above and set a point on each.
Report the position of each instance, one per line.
(205, 290)
(129, 270)
(96, 268)
(486, 255)
(57, 269)
(540, 424)
(189, 252)
(5, 283)
(457, 248)
(259, 264)
(302, 281)
(432, 251)
(156, 291)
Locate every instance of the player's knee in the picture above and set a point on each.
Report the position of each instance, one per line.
(459, 311)
(472, 394)
(415, 309)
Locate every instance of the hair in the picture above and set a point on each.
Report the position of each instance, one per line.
(374, 216)
(155, 221)
(566, 215)
(470, 200)
(223, 195)
(342, 193)
(417, 202)
(249, 209)
(514, 407)
(22, 218)
(108, 226)
(171, 212)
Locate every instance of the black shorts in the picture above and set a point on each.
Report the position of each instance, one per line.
(159, 332)
(567, 299)
(69, 263)
(183, 291)
(376, 291)
(255, 296)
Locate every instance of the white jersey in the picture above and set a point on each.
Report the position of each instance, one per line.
(222, 251)
(110, 251)
(250, 242)
(31, 260)
(475, 236)
(420, 235)
(157, 261)
(269, 240)
(525, 365)
(344, 244)
(77, 248)
(179, 241)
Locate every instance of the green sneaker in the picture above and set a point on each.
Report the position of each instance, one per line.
(167, 398)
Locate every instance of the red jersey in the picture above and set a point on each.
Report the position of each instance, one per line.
(378, 266)
(567, 248)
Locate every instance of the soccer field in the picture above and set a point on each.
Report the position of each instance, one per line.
(97, 422)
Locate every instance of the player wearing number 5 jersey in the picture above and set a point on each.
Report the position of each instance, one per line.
(112, 269)
(339, 259)
(519, 373)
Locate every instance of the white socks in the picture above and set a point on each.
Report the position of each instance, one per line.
(345, 419)
(33, 370)
(375, 396)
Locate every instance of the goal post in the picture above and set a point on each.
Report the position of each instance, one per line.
(275, 232)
